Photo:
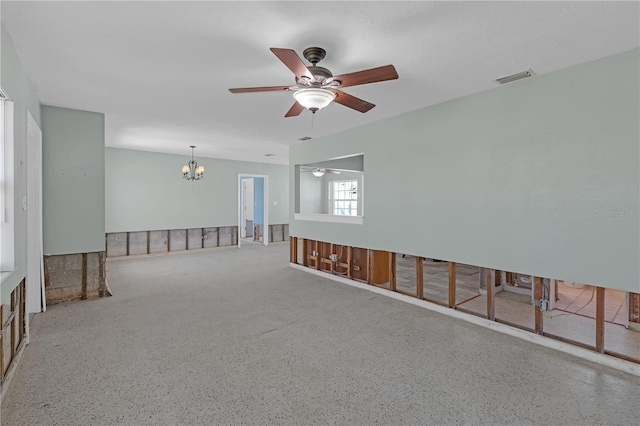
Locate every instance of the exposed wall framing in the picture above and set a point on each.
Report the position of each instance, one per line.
(12, 333)
(163, 241)
(378, 267)
(75, 276)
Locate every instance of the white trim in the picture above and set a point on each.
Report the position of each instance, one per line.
(318, 217)
(35, 292)
(7, 203)
(598, 358)
(265, 232)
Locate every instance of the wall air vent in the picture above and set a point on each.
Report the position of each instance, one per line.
(304, 138)
(514, 77)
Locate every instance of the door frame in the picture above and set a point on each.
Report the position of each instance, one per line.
(34, 273)
(265, 233)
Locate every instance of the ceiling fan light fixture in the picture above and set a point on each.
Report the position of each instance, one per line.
(318, 172)
(314, 99)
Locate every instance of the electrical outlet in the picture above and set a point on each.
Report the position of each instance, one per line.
(333, 257)
(544, 305)
(314, 253)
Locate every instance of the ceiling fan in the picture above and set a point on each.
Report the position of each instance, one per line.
(316, 87)
(319, 172)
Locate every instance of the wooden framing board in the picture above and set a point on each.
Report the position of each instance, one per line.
(419, 277)
(12, 324)
(634, 307)
(293, 254)
(452, 284)
(491, 296)
(305, 255)
(392, 271)
(84, 272)
(1, 344)
(537, 295)
(600, 319)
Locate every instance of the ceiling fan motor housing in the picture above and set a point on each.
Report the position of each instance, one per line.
(314, 54)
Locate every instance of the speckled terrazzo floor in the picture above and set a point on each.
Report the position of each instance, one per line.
(232, 336)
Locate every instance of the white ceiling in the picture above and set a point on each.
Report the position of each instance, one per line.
(160, 70)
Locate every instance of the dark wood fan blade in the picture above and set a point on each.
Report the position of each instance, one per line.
(373, 75)
(295, 110)
(259, 89)
(291, 59)
(351, 101)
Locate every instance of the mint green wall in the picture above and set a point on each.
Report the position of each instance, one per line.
(17, 86)
(527, 177)
(72, 180)
(146, 191)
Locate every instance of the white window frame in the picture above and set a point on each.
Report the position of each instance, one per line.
(333, 200)
(7, 184)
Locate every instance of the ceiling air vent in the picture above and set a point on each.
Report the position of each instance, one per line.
(304, 138)
(514, 77)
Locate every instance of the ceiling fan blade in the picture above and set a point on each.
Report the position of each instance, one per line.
(373, 75)
(351, 101)
(259, 89)
(295, 110)
(291, 59)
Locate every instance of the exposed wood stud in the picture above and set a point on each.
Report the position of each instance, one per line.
(294, 249)
(127, 244)
(392, 271)
(186, 242)
(491, 296)
(600, 319)
(12, 325)
(23, 307)
(634, 307)
(537, 295)
(419, 277)
(84, 274)
(452, 284)
(218, 236)
(101, 273)
(1, 343)
(317, 256)
(305, 253)
(350, 262)
(148, 242)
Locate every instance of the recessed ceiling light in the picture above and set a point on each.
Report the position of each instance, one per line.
(304, 138)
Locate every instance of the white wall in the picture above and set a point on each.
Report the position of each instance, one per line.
(528, 177)
(72, 180)
(15, 82)
(146, 191)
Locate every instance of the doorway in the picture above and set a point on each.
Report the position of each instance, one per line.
(253, 209)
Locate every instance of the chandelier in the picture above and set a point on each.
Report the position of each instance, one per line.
(191, 170)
